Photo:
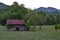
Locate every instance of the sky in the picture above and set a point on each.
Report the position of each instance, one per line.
(32, 4)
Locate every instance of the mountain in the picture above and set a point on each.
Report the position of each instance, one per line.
(3, 6)
(49, 10)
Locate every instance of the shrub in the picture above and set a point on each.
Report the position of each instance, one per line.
(9, 26)
(57, 26)
(28, 25)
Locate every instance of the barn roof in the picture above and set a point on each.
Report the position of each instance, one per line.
(15, 22)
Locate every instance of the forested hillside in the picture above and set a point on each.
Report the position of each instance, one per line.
(48, 10)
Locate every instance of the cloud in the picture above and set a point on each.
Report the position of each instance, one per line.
(35, 3)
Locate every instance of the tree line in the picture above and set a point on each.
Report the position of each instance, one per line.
(31, 17)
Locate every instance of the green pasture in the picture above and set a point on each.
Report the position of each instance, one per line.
(46, 33)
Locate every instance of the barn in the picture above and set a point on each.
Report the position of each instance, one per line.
(18, 25)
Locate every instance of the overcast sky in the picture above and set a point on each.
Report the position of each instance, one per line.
(35, 3)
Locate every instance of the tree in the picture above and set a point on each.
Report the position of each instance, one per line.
(58, 18)
(15, 11)
(51, 20)
(42, 18)
(32, 16)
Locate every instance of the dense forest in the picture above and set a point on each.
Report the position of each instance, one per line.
(31, 17)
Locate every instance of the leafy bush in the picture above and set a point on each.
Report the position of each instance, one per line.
(9, 26)
(57, 26)
(28, 25)
(1, 25)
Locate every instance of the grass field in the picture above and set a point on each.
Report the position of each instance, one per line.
(47, 33)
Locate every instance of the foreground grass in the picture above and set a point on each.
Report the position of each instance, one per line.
(47, 33)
